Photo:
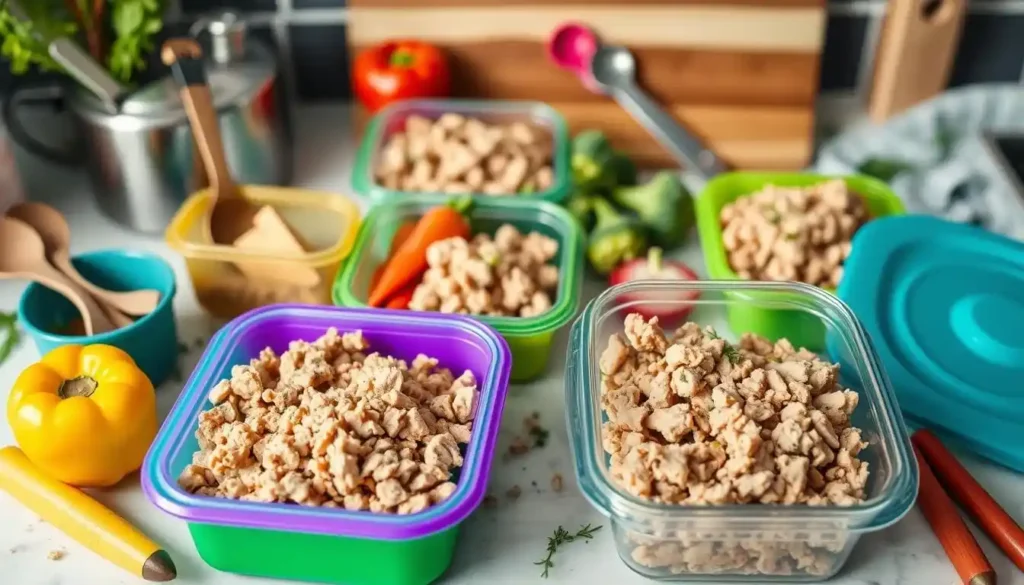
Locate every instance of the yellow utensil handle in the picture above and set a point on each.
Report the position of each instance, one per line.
(92, 524)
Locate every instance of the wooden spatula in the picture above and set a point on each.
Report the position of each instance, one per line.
(231, 214)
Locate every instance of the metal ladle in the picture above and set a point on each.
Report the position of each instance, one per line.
(614, 69)
(56, 235)
(23, 255)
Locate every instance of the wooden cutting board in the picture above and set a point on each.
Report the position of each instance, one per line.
(740, 74)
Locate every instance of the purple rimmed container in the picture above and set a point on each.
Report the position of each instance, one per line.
(331, 545)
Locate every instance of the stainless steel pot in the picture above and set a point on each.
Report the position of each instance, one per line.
(142, 160)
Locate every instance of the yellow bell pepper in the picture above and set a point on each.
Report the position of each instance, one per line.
(85, 415)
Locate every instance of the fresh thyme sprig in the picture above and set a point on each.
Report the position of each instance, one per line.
(9, 334)
(560, 537)
(729, 351)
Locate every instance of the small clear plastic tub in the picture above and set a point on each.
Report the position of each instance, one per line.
(327, 223)
(331, 545)
(392, 119)
(530, 338)
(755, 543)
(801, 329)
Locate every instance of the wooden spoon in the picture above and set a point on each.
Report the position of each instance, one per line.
(231, 214)
(23, 255)
(53, 229)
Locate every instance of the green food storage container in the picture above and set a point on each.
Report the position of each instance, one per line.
(529, 338)
(331, 545)
(392, 119)
(801, 328)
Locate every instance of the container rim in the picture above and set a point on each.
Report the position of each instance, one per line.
(882, 509)
(373, 141)
(711, 200)
(167, 295)
(196, 208)
(571, 251)
(161, 487)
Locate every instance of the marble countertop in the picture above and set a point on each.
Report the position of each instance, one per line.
(497, 546)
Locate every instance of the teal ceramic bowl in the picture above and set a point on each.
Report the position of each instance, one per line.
(152, 341)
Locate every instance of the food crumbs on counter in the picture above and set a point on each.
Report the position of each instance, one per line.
(490, 501)
(518, 447)
(556, 482)
(56, 555)
(562, 537)
(514, 492)
(296, 412)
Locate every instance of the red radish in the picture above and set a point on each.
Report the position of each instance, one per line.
(667, 305)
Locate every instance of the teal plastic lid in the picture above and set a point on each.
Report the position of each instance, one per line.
(944, 305)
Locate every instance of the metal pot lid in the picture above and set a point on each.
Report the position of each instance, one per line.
(161, 99)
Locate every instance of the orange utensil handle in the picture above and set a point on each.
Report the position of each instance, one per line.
(968, 493)
(940, 512)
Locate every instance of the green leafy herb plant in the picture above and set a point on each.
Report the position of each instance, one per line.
(117, 33)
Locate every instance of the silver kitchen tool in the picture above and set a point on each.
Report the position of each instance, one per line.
(78, 63)
(614, 69)
(142, 161)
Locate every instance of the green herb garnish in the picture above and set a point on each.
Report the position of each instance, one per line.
(539, 436)
(560, 537)
(9, 334)
(728, 350)
(731, 353)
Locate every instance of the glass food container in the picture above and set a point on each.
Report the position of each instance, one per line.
(756, 543)
(802, 329)
(326, 222)
(530, 338)
(331, 545)
(392, 119)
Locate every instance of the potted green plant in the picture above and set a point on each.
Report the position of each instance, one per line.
(117, 33)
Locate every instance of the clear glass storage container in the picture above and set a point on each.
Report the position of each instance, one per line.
(755, 543)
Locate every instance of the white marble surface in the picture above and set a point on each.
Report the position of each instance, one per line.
(497, 546)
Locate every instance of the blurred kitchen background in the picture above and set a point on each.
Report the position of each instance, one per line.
(310, 37)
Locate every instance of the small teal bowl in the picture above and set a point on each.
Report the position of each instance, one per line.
(152, 341)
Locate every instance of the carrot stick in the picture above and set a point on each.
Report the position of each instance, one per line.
(402, 298)
(401, 235)
(410, 260)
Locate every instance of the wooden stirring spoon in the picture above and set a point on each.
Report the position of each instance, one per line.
(56, 235)
(23, 255)
(231, 214)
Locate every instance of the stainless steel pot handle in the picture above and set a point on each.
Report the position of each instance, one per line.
(42, 94)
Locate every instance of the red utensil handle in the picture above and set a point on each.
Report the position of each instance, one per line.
(940, 512)
(968, 493)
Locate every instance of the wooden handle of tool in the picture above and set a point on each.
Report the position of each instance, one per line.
(915, 54)
(963, 551)
(184, 56)
(968, 493)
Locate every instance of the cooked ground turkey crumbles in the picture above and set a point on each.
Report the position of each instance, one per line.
(694, 420)
(793, 233)
(508, 274)
(326, 424)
